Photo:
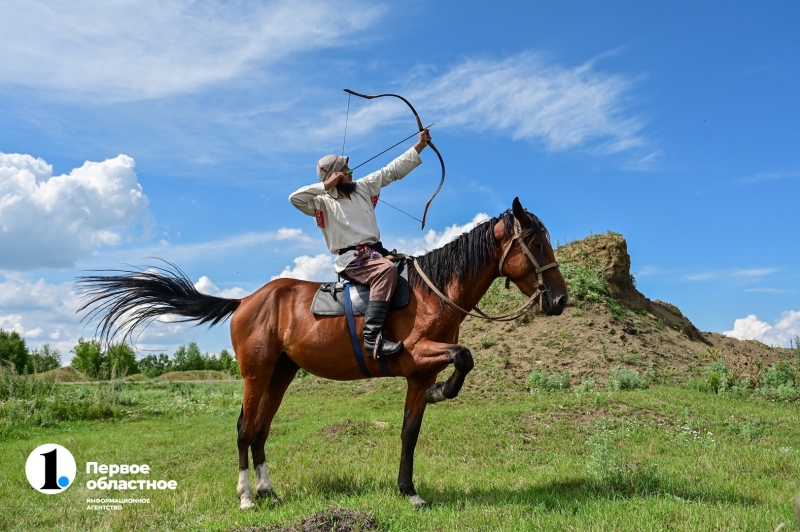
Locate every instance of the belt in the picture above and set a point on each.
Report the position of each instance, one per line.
(377, 246)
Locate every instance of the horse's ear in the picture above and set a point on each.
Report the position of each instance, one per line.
(520, 214)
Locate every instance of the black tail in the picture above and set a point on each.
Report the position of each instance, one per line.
(124, 301)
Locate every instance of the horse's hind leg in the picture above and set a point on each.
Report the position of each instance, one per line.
(257, 368)
(282, 376)
(254, 394)
(412, 422)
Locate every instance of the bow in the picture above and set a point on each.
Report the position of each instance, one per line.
(419, 124)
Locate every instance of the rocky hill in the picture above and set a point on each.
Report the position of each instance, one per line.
(609, 323)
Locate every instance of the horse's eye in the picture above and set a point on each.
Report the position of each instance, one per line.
(539, 246)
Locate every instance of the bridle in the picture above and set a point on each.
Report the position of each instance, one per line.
(541, 288)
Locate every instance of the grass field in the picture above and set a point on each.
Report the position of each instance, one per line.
(665, 458)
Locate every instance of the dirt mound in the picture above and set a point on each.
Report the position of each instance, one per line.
(333, 520)
(195, 375)
(609, 252)
(619, 327)
(65, 374)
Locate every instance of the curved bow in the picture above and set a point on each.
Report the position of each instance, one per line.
(419, 124)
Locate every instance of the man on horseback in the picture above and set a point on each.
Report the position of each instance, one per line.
(345, 213)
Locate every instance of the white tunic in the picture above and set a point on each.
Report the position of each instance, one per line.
(350, 222)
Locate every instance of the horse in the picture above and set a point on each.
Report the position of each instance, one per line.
(274, 333)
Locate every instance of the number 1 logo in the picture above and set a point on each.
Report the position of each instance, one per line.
(50, 468)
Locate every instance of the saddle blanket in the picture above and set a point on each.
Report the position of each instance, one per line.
(329, 299)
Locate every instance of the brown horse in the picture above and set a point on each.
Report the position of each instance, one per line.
(274, 334)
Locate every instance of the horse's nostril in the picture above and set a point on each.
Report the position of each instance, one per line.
(560, 302)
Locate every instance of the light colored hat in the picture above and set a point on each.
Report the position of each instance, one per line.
(330, 164)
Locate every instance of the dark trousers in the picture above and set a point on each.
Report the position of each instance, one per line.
(380, 274)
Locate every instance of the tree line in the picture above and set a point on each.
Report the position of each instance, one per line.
(117, 360)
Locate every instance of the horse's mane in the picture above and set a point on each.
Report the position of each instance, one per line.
(466, 256)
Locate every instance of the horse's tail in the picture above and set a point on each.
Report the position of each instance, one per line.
(126, 299)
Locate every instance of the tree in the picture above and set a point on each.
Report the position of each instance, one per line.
(44, 359)
(13, 350)
(194, 357)
(88, 358)
(229, 363)
(179, 359)
(120, 360)
(155, 365)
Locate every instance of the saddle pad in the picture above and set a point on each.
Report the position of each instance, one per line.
(329, 299)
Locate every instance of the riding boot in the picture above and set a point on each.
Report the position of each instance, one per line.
(374, 342)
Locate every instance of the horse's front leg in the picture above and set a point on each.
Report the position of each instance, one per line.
(429, 359)
(458, 355)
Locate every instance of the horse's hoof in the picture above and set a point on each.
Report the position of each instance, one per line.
(247, 504)
(418, 501)
(435, 394)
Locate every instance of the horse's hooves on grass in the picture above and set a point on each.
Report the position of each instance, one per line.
(418, 501)
(247, 504)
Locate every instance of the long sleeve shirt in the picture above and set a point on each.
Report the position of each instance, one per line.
(350, 222)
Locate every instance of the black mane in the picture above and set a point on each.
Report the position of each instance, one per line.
(467, 255)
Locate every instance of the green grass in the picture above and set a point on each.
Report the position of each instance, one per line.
(656, 459)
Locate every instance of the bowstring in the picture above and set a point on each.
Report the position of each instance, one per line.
(344, 140)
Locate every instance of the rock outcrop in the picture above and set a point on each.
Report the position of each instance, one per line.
(609, 252)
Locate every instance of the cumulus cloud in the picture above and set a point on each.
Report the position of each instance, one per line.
(207, 287)
(317, 268)
(527, 97)
(119, 49)
(751, 328)
(51, 221)
(434, 239)
(40, 312)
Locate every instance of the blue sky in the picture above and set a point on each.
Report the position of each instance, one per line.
(137, 129)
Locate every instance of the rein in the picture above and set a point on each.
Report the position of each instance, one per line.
(541, 288)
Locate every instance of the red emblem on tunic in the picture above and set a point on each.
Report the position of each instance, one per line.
(320, 217)
(375, 200)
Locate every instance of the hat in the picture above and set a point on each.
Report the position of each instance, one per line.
(330, 164)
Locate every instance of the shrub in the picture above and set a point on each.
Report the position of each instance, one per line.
(585, 284)
(587, 385)
(626, 379)
(717, 377)
(778, 383)
(488, 341)
(608, 466)
(540, 382)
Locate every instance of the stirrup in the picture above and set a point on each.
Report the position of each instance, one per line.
(382, 347)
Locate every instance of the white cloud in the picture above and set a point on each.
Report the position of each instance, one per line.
(40, 312)
(120, 49)
(317, 268)
(51, 221)
(526, 96)
(747, 274)
(183, 253)
(751, 328)
(13, 322)
(207, 287)
(771, 290)
(770, 176)
(434, 240)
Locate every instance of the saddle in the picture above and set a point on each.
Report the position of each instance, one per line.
(329, 299)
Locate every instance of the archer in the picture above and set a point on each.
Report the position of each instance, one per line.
(345, 213)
